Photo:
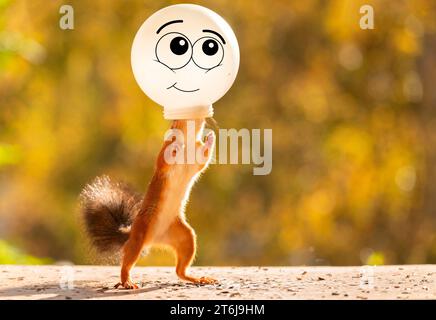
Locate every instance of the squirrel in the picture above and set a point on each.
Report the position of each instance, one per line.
(116, 218)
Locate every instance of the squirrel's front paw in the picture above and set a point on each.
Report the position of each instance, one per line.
(210, 140)
(206, 148)
(126, 285)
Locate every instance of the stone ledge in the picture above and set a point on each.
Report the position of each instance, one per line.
(96, 282)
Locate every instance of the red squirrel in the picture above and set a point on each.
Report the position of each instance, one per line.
(117, 219)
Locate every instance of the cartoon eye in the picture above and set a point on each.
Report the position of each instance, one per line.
(173, 50)
(208, 53)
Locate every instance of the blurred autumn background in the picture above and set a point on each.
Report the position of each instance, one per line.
(353, 114)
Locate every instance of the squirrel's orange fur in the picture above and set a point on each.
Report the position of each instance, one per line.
(158, 218)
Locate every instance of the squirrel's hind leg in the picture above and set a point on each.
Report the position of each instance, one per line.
(132, 251)
(181, 237)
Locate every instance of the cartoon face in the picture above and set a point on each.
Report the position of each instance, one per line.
(185, 57)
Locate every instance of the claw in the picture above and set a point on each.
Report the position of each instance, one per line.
(204, 280)
(129, 285)
(208, 280)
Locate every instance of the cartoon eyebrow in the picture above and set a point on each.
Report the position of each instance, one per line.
(217, 34)
(167, 24)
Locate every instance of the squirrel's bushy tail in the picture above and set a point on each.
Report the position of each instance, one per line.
(108, 210)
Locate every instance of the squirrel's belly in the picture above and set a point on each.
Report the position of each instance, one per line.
(172, 207)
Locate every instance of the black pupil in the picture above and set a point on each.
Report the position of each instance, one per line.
(210, 47)
(179, 45)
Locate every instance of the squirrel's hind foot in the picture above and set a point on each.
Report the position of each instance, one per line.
(201, 280)
(129, 285)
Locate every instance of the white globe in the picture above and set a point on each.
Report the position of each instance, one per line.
(185, 57)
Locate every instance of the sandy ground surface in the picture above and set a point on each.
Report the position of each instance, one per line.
(95, 282)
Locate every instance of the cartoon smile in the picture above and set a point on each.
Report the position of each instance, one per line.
(182, 90)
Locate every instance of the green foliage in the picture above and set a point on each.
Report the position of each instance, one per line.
(12, 255)
(375, 259)
(9, 154)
